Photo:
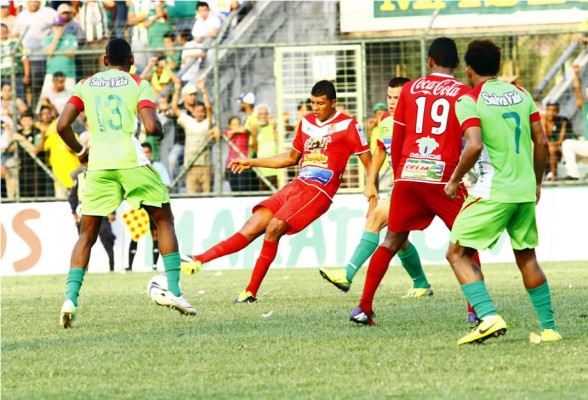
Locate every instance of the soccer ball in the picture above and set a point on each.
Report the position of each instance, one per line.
(157, 287)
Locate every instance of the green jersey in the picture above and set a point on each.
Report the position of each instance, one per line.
(111, 100)
(504, 112)
(385, 127)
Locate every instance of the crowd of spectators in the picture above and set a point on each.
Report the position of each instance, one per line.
(57, 43)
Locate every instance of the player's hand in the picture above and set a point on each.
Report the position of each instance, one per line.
(370, 191)
(111, 217)
(84, 156)
(239, 165)
(77, 218)
(451, 189)
(373, 201)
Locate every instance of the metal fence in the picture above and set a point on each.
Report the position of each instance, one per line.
(262, 55)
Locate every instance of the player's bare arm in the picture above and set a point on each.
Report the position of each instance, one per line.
(151, 122)
(67, 117)
(469, 156)
(286, 159)
(540, 151)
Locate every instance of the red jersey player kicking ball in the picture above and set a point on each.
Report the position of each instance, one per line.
(324, 142)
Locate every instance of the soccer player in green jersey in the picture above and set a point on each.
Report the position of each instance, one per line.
(377, 217)
(117, 168)
(507, 144)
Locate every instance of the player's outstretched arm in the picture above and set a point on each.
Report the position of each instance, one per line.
(469, 156)
(282, 160)
(67, 117)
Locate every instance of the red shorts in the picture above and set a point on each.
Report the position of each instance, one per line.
(297, 203)
(413, 205)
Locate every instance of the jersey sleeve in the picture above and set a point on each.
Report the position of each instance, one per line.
(146, 98)
(359, 141)
(297, 143)
(76, 97)
(466, 112)
(533, 111)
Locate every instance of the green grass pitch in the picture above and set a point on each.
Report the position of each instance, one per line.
(294, 343)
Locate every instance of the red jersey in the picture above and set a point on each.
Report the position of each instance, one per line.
(326, 147)
(427, 134)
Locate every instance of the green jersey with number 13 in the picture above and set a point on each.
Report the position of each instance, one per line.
(504, 112)
(111, 100)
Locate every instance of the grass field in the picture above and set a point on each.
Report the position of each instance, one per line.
(127, 347)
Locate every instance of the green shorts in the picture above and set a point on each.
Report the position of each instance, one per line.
(106, 189)
(480, 223)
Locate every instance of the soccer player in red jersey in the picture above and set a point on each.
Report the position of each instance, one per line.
(425, 151)
(324, 142)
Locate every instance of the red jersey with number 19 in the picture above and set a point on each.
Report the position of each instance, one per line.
(427, 135)
(326, 147)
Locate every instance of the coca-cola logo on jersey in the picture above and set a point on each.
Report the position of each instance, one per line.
(448, 87)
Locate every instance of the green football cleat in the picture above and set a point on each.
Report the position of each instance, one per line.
(337, 276)
(418, 292)
(245, 297)
(190, 266)
(486, 329)
(68, 317)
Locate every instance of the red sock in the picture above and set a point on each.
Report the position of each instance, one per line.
(378, 266)
(476, 258)
(231, 245)
(267, 256)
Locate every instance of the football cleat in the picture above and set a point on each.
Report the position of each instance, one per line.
(359, 317)
(189, 265)
(68, 317)
(486, 329)
(245, 297)
(472, 319)
(418, 292)
(547, 335)
(168, 299)
(337, 276)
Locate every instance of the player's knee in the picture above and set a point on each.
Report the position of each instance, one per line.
(275, 229)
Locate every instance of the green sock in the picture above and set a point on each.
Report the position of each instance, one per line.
(366, 247)
(541, 299)
(478, 296)
(411, 262)
(171, 262)
(75, 277)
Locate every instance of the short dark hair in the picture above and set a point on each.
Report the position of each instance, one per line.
(118, 51)
(397, 81)
(552, 104)
(202, 4)
(28, 113)
(303, 103)
(45, 107)
(444, 52)
(169, 35)
(58, 74)
(483, 56)
(147, 145)
(325, 88)
(186, 34)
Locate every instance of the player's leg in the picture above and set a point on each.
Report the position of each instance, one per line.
(132, 253)
(378, 266)
(477, 227)
(107, 239)
(102, 194)
(342, 277)
(448, 210)
(155, 238)
(275, 230)
(522, 230)
(253, 228)
(145, 188)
